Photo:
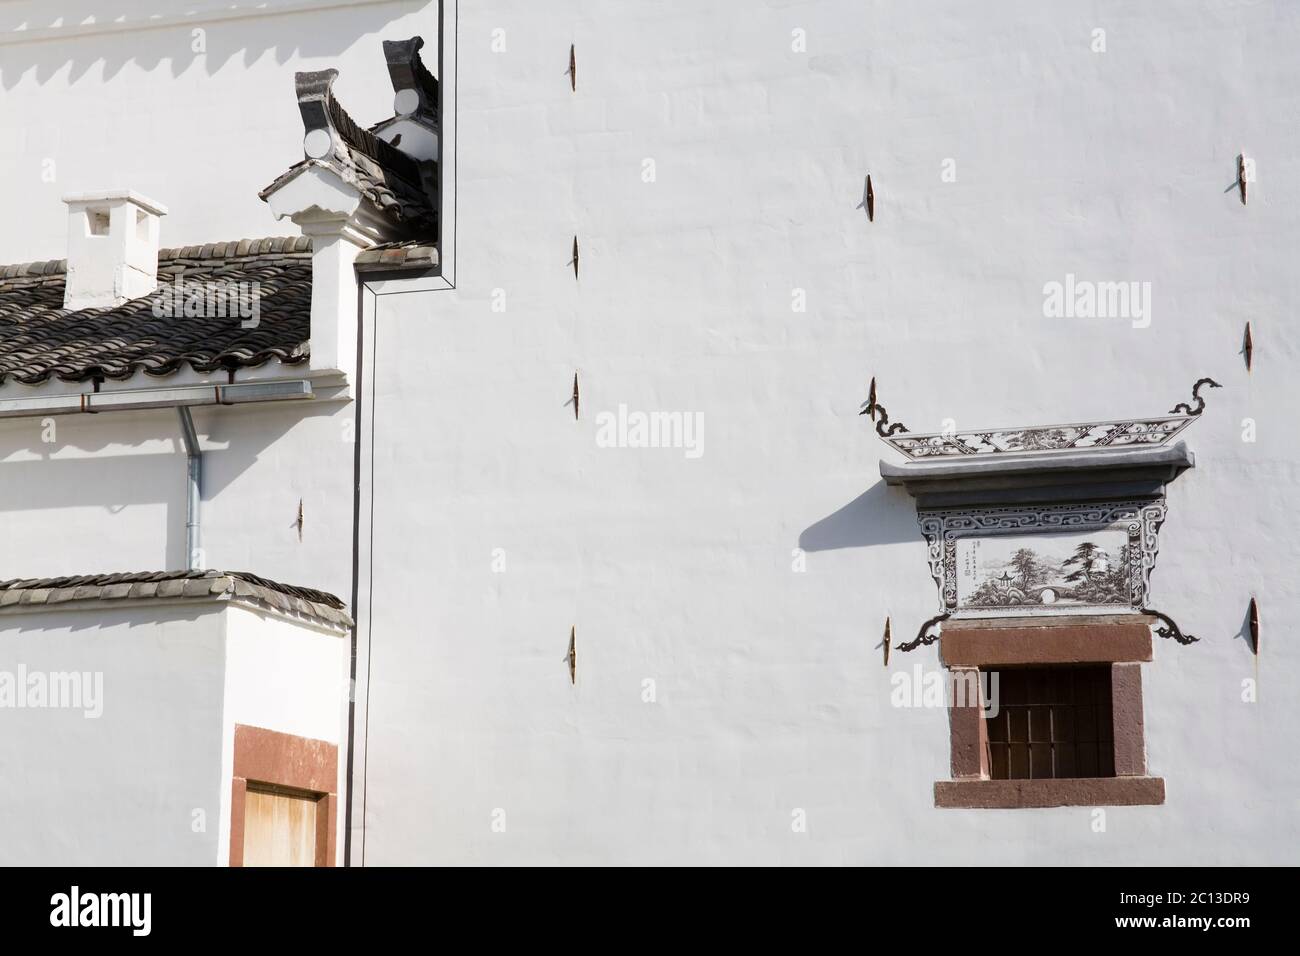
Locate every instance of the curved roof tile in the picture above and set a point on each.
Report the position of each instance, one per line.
(40, 340)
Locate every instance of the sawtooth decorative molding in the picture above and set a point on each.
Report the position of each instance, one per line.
(26, 21)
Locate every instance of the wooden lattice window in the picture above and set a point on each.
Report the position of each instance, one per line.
(1052, 722)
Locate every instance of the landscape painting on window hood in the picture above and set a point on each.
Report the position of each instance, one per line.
(1089, 567)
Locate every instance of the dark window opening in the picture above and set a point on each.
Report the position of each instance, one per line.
(1052, 722)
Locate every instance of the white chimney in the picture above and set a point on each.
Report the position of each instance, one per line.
(112, 248)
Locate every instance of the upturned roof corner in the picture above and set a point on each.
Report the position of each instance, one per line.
(1039, 463)
(363, 176)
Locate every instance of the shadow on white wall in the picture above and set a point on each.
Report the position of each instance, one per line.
(43, 38)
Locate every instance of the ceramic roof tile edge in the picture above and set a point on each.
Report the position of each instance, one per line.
(409, 254)
(200, 362)
(209, 253)
(393, 181)
(161, 585)
(407, 71)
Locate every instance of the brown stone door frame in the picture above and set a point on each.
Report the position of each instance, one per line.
(284, 760)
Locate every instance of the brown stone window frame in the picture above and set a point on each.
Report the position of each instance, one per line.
(272, 759)
(970, 646)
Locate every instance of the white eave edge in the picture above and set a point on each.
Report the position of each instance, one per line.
(51, 400)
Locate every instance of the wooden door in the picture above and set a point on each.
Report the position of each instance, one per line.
(279, 827)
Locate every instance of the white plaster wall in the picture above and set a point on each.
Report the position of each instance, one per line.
(285, 676)
(82, 494)
(288, 677)
(122, 788)
(771, 694)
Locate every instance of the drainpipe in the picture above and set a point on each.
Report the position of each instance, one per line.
(193, 473)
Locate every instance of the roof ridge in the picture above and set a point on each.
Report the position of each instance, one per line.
(234, 249)
(33, 270)
(240, 248)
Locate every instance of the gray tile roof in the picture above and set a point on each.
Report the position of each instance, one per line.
(396, 184)
(169, 585)
(40, 340)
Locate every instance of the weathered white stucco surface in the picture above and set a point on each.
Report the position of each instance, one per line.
(135, 767)
(287, 676)
(121, 788)
(769, 691)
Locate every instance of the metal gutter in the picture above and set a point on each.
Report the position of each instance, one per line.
(193, 477)
(129, 399)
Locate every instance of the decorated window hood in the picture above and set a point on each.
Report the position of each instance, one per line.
(1054, 476)
(1044, 519)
